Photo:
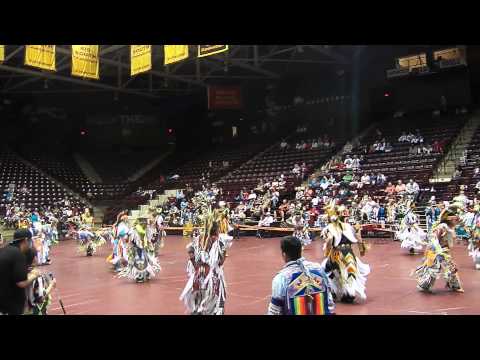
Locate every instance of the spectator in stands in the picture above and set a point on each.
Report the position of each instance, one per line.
(476, 172)
(303, 170)
(400, 188)
(348, 147)
(298, 146)
(412, 189)
(348, 162)
(365, 179)
(457, 174)
(315, 144)
(296, 170)
(284, 145)
(283, 209)
(403, 137)
(381, 179)
(356, 163)
(390, 189)
(477, 186)
(388, 147)
(275, 198)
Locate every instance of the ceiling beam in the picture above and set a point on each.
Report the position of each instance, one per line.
(127, 66)
(330, 53)
(13, 53)
(111, 49)
(53, 76)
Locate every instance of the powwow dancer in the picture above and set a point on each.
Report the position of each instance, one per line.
(411, 234)
(142, 262)
(347, 272)
(161, 233)
(301, 287)
(205, 292)
(438, 260)
(300, 228)
(89, 241)
(474, 244)
(121, 231)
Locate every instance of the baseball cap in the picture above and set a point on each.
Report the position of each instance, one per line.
(21, 234)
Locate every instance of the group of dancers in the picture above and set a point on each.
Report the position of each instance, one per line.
(136, 247)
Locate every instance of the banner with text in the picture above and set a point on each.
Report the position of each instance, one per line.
(207, 50)
(2, 53)
(140, 58)
(175, 53)
(40, 56)
(85, 61)
(224, 97)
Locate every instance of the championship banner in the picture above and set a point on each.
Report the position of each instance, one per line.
(2, 53)
(40, 56)
(140, 58)
(85, 62)
(207, 50)
(224, 97)
(174, 53)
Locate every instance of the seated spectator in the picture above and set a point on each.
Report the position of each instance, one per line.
(348, 147)
(315, 144)
(390, 189)
(283, 145)
(381, 179)
(303, 146)
(388, 147)
(296, 170)
(427, 149)
(348, 162)
(457, 174)
(412, 188)
(402, 137)
(477, 186)
(400, 188)
(365, 179)
(476, 172)
(356, 163)
(298, 146)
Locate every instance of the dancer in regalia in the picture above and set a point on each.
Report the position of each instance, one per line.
(438, 260)
(142, 262)
(300, 228)
(347, 272)
(205, 292)
(161, 233)
(474, 241)
(411, 234)
(121, 231)
(39, 292)
(89, 241)
(301, 287)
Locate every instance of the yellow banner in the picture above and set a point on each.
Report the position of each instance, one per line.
(40, 56)
(140, 58)
(85, 62)
(174, 53)
(207, 50)
(2, 52)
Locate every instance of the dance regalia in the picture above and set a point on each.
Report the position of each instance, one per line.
(43, 248)
(205, 291)
(410, 234)
(119, 242)
(89, 242)
(347, 272)
(301, 229)
(474, 243)
(301, 288)
(38, 296)
(438, 260)
(142, 263)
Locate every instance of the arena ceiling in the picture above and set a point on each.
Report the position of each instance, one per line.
(240, 63)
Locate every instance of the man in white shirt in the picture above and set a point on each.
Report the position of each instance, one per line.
(348, 162)
(403, 137)
(315, 201)
(265, 221)
(365, 179)
(412, 188)
(356, 163)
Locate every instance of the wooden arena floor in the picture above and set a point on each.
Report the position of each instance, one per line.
(87, 286)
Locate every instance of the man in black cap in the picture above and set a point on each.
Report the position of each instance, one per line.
(14, 276)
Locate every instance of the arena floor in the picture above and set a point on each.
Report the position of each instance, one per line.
(87, 286)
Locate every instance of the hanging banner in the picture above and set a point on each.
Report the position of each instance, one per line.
(174, 53)
(2, 53)
(140, 59)
(40, 56)
(224, 97)
(85, 61)
(207, 50)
